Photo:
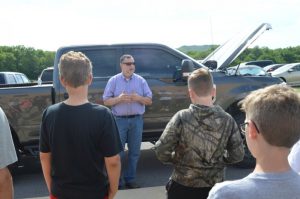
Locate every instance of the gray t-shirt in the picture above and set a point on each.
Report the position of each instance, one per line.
(294, 157)
(260, 185)
(7, 149)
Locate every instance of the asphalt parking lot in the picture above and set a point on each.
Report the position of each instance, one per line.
(151, 175)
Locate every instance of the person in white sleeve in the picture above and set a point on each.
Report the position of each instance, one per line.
(294, 157)
(7, 157)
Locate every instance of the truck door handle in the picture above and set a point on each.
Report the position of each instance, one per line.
(66, 95)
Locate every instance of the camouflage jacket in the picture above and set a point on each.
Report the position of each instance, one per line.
(199, 142)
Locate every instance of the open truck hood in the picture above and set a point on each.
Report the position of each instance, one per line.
(229, 51)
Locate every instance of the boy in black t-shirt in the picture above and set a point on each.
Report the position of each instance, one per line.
(79, 139)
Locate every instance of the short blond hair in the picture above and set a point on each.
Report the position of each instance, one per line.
(75, 68)
(201, 82)
(276, 112)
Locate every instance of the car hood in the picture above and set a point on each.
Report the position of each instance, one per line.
(230, 50)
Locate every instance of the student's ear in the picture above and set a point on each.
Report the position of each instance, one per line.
(90, 79)
(214, 92)
(62, 81)
(252, 131)
(191, 93)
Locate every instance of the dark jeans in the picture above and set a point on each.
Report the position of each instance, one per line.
(178, 191)
(131, 131)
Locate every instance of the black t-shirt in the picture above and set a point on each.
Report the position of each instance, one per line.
(78, 138)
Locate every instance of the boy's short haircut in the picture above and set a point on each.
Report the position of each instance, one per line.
(201, 82)
(276, 112)
(75, 68)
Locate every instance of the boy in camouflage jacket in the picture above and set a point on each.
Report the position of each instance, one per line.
(199, 142)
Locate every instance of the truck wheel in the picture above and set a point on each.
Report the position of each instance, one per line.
(249, 160)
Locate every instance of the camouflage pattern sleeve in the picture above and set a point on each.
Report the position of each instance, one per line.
(235, 147)
(165, 146)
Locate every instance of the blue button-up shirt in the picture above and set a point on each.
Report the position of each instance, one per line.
(118, 84)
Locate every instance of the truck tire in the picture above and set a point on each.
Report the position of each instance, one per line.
(249, 160)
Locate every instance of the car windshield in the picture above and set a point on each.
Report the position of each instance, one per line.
(247, 71)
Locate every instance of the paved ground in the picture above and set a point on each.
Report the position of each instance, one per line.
(152, 176)
(144, 193)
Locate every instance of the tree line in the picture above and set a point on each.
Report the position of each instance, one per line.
(32, 61)
(25, 60)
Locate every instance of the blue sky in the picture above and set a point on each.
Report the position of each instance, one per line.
(50, 24)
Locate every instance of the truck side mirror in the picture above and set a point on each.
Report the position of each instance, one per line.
(211, 64)
(187, 67)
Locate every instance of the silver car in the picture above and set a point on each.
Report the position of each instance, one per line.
(290, 73)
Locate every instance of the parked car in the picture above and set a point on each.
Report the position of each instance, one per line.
(46, 76)
(272, 67)
(290, 73)
(261, 63)
(247, 70)
(13, 78)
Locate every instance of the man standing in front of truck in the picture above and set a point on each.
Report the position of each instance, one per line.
(128, 93)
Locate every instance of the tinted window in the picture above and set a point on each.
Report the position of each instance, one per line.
(155, 62)
(104, 62)
(47, 76)
(2, 79)
(297, 68)
(11, 79)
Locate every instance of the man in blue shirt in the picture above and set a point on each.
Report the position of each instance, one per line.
(128, 93)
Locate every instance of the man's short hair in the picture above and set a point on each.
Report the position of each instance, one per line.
(126, 56)
(201, 82)
(75, 68)
(276, 112)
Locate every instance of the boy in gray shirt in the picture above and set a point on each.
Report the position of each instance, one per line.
(7, 157)
(271, 128)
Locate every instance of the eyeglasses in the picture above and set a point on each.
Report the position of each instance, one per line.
(128, 63)
(243, 127)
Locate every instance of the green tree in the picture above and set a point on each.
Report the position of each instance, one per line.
(26, 60)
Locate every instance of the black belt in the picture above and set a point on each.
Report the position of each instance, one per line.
(127, 116)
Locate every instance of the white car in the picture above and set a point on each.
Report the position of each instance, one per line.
(290, 73)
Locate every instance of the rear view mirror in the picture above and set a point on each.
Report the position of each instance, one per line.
(290, 70)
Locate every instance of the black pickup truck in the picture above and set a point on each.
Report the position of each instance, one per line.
(161, 66)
